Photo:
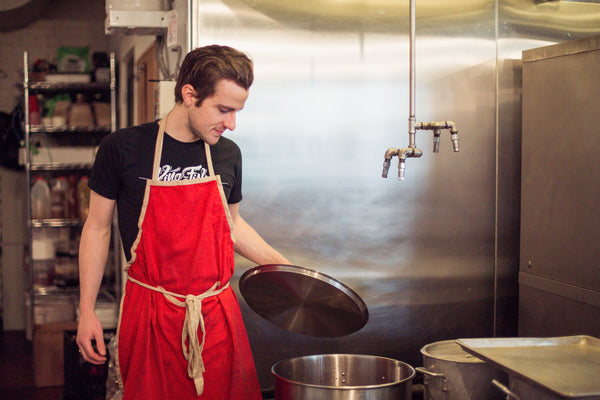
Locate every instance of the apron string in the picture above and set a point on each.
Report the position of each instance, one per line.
(193, 319)
(158, 148)
(211, 170)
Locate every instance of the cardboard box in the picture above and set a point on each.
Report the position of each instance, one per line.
(48, 353)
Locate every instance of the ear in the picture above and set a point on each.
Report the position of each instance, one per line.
(188, 94)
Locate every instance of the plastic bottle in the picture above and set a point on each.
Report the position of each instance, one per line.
(40, 199)
(81, 113)
(58, 196)
(34, 110)
(72, 210)
(83, 197)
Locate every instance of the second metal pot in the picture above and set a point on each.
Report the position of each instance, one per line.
(342, 377)
(453, 374)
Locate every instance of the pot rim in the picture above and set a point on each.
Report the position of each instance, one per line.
(458, 355)
(360, 387)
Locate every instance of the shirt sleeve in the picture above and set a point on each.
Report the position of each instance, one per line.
(235, 196)
(105, 175)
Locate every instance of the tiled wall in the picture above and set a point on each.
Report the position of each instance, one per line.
(62, 23)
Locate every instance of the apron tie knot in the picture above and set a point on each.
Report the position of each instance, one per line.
(193, 319)
(193, 354)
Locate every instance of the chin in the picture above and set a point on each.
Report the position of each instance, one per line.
(212, 141)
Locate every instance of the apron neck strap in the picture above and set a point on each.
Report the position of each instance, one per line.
(158, 148)
(211, 170)
(158, 151)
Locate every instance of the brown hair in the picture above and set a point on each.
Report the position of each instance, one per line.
(205, 66)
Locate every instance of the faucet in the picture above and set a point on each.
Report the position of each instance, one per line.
(437, 127)
(412, 151)
(402, 154)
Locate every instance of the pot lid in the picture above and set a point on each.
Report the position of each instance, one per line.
(449, 350)
(303, 301)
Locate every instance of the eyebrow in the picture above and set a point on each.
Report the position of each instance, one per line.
(228, 108)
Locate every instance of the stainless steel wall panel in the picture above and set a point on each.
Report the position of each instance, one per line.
(561, 172)
(436, 256)
(551, 313)
(560, 208)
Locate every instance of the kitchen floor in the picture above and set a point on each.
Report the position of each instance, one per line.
(16, 376)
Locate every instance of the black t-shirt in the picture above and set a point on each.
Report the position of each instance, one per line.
(124, 163)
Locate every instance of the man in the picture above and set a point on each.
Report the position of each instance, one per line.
(177, 184)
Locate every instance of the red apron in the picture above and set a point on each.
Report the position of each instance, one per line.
(181, 334)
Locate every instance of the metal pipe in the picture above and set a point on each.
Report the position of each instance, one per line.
(427, 126)
(28, 183)
(402, 154)
(191, 19)
(387, 160)
(412, 79)
(412, 150)
(436, 127)
(436, 140)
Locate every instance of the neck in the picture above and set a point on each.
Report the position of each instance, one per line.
(177, 124)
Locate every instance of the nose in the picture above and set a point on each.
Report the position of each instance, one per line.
(229, 122)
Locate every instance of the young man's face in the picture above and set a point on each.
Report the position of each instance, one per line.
(217, 113)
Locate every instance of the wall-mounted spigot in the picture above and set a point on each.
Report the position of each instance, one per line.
(437, 128)
(413, 125)
(454, 138)
(403, 154)
(436, 140)
(412, 150)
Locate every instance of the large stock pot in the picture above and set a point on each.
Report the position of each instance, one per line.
(342, 377)
(453, 374)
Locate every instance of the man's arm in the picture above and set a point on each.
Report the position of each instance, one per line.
(93, 253)
(250, 245)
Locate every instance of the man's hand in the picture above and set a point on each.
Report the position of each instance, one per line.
(89, 329)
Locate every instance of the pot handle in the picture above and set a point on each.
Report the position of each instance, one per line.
(424, 371)
(505, 390)
(429, 374)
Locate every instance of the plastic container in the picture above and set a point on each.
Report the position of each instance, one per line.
(71, 198)
(58, 196)
(83, 197)
(102, 113)
(40, 199)
(34, 111)
(44, 258)
(81, 114)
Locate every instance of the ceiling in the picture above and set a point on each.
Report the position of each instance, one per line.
(15, 14)
(520, 16)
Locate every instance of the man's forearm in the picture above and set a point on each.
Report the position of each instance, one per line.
(252, 246)
(93, 253)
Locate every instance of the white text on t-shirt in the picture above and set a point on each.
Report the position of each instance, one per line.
(168, 173)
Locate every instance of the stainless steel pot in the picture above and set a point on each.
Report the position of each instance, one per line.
(342, 377)
(453, 374)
